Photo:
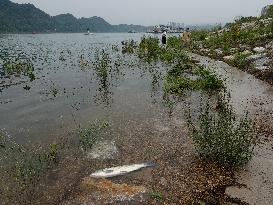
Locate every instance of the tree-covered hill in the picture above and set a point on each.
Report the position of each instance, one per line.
(25, 18)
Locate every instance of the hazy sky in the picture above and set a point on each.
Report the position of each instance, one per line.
(151, 12)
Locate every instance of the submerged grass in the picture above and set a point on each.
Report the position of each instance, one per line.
(94, 132)
(24, 169)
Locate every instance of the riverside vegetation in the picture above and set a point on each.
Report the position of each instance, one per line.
(219, 135)
(247, 43)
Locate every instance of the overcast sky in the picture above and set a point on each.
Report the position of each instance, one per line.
(151, 12)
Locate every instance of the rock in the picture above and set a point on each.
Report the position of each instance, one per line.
(262, 62)
(228, 58)
(219, 51)
(269, 45)
(248, 25)
(262, 68)
(103, 150)
(259, 50)
(241, 193)
(255, 57)
(246, 52)
(266, 22)
(204, 50)
(163, 181)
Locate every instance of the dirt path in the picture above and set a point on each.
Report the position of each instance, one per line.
(256, 96)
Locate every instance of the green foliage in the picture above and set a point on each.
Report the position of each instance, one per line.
(240, 61)
(102, 64)
(158, 196)
(269, 12)
(199, 35)
(234, 36)
(24, 67)
(92, 134)
(27, 18)
(176, 81)
(149, 48)
(221, 136)
(25, 164)
(129, 46)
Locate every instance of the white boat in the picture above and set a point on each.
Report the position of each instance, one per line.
(88, 33)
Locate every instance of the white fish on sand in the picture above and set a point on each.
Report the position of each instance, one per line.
(120, 170)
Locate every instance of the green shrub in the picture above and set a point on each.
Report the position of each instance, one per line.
(129, 46)
(176, 82)
(158, 196)
(221, 136)
(240, 61)
(149, 48)
(269, 12)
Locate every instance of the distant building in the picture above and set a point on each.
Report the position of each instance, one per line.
(171, 27)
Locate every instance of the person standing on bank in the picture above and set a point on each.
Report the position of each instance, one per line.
(186, 38)
(164, 38)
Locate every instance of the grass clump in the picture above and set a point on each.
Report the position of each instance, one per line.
(157, 196)
(92, 134)
(177, 81)
(221, 136)
(240, 61)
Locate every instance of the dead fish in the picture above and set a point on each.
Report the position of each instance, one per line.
(120, 170)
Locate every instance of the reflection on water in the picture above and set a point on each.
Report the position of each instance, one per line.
(77, 79)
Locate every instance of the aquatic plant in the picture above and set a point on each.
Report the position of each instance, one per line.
(149, 49)
(94, 132)
(220, 135)
(198, 78)
(129, 46)
(24, 67)
(22, 167)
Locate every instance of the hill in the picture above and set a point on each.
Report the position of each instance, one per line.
(25, 18)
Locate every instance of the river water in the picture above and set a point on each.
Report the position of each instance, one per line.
(68, 92)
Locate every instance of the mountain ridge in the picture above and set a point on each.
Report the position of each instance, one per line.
(25, 18)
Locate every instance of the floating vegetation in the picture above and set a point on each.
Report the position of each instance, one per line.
(19, 67)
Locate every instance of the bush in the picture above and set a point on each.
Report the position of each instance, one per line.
(221, 136)
(128, 46)
(240, 61)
